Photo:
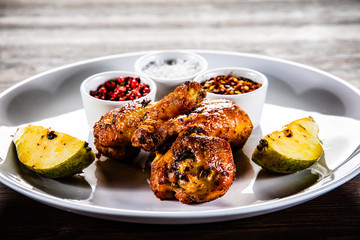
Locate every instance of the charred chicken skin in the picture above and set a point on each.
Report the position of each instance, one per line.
(114, 130)
(196, 168)
(218, 118)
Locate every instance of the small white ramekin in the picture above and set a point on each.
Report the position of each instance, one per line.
(168, 84)
(94, 107)
(252, 102)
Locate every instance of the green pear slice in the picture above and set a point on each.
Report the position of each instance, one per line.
(293, 148)
(51, 154)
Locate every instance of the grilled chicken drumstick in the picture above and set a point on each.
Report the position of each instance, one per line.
(195, 169)
(113, 131)
(219, 118)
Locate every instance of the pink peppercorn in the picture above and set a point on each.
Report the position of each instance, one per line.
(121, 89)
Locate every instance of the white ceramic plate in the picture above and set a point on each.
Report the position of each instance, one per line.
(121, 192)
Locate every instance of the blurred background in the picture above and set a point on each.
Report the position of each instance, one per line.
(38, 35)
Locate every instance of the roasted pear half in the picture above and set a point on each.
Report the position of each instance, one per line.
(51, 154)
(294, 148)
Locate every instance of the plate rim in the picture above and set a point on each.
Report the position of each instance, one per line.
(199, 51)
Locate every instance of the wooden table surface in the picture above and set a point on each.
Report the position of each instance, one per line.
(37, 35)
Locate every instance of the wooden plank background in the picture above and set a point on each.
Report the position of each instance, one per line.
(38, 35)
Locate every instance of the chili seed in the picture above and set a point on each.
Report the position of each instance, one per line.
(229, 85)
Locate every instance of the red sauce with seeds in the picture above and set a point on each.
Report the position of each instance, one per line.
(121, 89)
(229, 85)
